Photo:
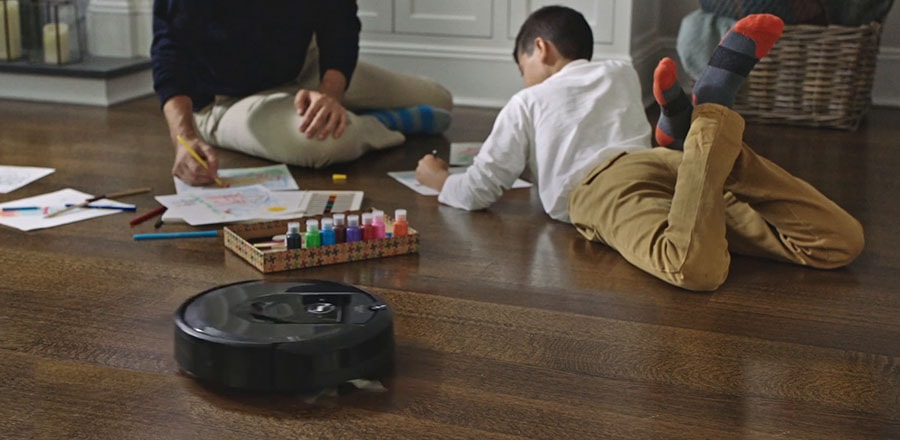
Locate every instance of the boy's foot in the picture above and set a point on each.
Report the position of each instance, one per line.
(675, 116)
(750, 39)
(411, 120)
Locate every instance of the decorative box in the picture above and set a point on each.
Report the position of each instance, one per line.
(245, 239)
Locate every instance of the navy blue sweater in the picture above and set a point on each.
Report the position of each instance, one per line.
(203, 48)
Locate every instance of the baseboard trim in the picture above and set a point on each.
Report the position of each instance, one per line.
(476, 76)
(412, 50)
(479, 77)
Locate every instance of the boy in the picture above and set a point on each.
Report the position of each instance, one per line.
(674, 215)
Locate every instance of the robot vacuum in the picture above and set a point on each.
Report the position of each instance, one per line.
(299, 336)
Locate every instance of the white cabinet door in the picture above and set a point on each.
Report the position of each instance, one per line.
(376, 15)
(599, 14)
(461, 18)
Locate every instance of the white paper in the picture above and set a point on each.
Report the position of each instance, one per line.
(463, 153)
(224, 205)
(14, 177)
(57, 199)
(408, 178)
(274, 178)
(295, 204)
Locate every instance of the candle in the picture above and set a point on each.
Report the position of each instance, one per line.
(10, 31)
(56, 43)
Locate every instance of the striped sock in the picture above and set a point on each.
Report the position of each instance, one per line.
(750, 39)
(675, 117)
(411, 120)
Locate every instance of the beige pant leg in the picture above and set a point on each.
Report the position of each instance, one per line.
(774, 214)
(664, 210)
(267, 125)
(373, 87)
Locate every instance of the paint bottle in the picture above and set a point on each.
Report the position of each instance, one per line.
(368, 231)
(353, 231)
(313, 238)
(401, 227)
(340, 228)
(378, 223)
(327, 231)
(292, 239)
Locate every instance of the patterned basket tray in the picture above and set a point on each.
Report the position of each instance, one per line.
(241, 238)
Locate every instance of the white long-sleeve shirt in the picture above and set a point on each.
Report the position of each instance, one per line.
(560, 129)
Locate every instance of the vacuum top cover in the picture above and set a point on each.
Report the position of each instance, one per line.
(306, 334)
(302, 311)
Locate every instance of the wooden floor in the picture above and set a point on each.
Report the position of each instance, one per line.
(508, 324)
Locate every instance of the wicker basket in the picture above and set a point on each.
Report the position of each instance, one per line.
(818, 76)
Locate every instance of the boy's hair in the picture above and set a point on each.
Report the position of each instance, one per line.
(565, 27)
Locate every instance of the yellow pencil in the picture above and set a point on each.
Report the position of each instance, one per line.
(197, 157)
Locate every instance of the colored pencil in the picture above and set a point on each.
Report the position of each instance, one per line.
(165, 235)
(21, 208)
(120, 208)
(147, 216)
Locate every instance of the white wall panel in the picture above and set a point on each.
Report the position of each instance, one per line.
(600, 15)
(376, 15)
(463, 18)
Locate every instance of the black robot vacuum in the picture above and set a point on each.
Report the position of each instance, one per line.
(301, 336)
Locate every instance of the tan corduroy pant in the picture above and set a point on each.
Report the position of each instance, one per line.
(677, 215)
(266, 124)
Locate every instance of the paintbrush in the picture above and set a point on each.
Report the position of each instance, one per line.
(114, 195)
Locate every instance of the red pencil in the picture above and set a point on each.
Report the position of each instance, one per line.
(144, 217)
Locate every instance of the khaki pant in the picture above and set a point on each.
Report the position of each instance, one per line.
(267, 125)
(677, 215)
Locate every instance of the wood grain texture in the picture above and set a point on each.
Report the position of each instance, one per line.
(508, 324)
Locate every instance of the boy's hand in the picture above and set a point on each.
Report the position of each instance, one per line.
(432, 172)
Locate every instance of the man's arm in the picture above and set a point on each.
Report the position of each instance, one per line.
(180, 119)
(171, 75)
(337, 36)
(172, 83)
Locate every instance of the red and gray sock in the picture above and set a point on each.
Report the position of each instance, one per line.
(743, 46)
(675, 114)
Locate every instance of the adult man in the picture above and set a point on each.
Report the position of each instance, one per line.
(251, 77)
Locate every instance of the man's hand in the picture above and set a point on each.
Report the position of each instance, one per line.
(323, 114)
(188, 169)
(432, 172)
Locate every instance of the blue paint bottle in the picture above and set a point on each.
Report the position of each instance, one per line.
(327, 233)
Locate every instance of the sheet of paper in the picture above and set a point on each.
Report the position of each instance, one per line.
(14, 177)
(295, 203)
(274, 178)
(226, 205)
(408, 178)
(30, 220)
(463, 153)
